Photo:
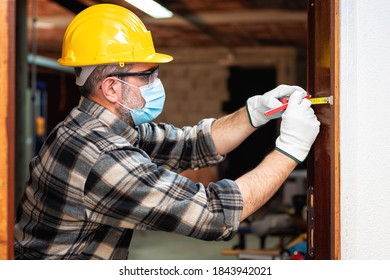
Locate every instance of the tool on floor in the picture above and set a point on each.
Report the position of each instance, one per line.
(314, 101)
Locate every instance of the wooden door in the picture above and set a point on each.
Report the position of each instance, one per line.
(323, 161)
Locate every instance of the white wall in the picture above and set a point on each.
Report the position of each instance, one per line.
(365, 128)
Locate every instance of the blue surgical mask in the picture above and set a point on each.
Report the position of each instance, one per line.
(154, 95)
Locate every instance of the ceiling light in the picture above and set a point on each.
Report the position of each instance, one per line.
(151, 8)
(44, 25)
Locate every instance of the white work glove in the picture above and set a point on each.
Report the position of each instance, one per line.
(298, 129)
(257, 105)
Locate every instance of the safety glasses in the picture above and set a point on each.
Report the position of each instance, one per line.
(146, 77)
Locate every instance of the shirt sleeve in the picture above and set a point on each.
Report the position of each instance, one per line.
(125, 189)
(179, 149)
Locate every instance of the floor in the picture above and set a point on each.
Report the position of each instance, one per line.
(169, 246)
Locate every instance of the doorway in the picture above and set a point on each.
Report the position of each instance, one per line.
(244, 82)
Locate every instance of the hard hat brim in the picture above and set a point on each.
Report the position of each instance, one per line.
(158, 58)
(153, 58)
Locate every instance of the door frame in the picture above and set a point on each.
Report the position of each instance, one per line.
(7, 129)
(323, 172)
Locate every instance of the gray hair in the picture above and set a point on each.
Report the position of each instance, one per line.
(99, 74)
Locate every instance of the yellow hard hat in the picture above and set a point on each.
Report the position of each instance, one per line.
(108, 34)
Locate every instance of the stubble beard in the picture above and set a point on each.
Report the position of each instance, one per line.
(131, 103)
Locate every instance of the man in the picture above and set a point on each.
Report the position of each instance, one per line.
(107, 169)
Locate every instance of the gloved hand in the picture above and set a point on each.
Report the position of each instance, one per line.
(299, 128)
(257, 105)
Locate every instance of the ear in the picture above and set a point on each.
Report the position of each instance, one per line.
(111, 88)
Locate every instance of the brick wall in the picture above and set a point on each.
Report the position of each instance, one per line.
(193, 92)
(196, 80)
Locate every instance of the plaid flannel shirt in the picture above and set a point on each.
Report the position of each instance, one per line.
(96, 179)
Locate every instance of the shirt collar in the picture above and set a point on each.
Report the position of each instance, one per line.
(118, 126)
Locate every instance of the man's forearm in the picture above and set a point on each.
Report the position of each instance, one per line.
(230, 131)
(260, 184)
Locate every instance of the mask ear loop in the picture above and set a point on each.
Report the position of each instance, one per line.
(124, 106)
(126, 83)
(121, 104)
